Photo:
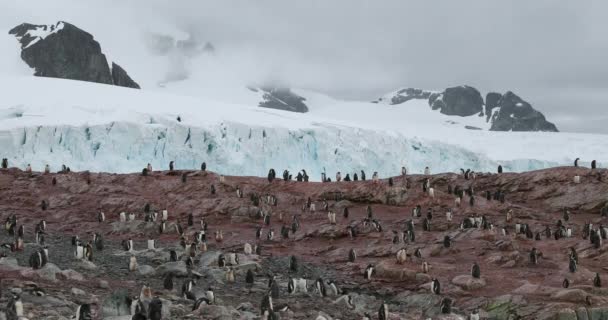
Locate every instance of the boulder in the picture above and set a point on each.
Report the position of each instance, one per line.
(177, 268)
(145, 270)
(467, 282)
(388, 269)
(570, 295)
(566, 314)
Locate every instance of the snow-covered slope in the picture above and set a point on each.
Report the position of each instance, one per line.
(90, 126)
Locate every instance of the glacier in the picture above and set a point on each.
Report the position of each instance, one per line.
(95, 127)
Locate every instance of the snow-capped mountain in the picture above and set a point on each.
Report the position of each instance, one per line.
(245, 128)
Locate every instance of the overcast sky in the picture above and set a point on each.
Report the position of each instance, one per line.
(551, 53)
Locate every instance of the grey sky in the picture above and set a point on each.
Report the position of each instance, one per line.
(551, 53)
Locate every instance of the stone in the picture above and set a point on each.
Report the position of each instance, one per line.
(78, 292)
(467, 282)
(571, 295)
(178, 268)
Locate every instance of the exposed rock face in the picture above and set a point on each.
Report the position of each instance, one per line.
(407, 94)
(121, 78)
(65, 51)
(492, 99)
(461, 101)
(518, 115)
(282, 99)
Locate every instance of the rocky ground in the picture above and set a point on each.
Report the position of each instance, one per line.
(510, 287)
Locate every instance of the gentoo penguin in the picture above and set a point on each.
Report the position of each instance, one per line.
(427, 171)
(36, 260)
(401, 256)
(448, 215)
(249, 279)
(266, 305)
(75, 240)
(171, 165)
(270, 235)
(474, 315)
(14, 308)
(221, 261)
(88, 251)
(446, 306)
(210, 295)
(83, 312)
(435, 286)
(593, 164)
(566, 283)
(321, 289)
(164, 215)
(383, 312)
(101, 217)
(425, 267)
(168, 281)
(172, 256)
(475, 271)
(293, 264)
(132, 263)
(131, 216)
(352, 255)
(200, 302)
(369, 271)
(178, 228)
(418, 253)
(258, 233)
(499, 168)
(534, 256)
(447, 241)
(127, 245)
(332, 288)
(576, 162)
(597, 282)
(274, 289)
(247, 249)
(190, 219)
(187, 289)
(155, 309)
(572, 265)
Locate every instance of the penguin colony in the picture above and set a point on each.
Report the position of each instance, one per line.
(195, 234)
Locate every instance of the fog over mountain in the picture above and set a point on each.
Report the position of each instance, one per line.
(550, 52)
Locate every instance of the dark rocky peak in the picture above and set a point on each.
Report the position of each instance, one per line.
(461, 101)
(406, 94)
(282, 99)
(515, 114)
(492, 99)
(64, 51)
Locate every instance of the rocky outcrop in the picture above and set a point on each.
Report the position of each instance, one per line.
(515, 114)
(406, 94)
(282, 99)
(492, 99)
(461, 101)
(64, 51)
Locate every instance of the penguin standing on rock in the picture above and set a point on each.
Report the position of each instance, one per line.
(566, 283)
(436, 287)
(597, 282)
(83, 312)
(576, 162)
(383, 312)
(369, 271)
(446, 306)
(593, 164)
(293, 264)
(475, 271)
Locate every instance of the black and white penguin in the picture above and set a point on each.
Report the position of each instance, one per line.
(168, 281)
(446, 306)
(249, 279)
(36, 261)
(187, 289)
(499, 168)
(447, 241)
(321, 289)
(83, 312)
(534, 254)
(200, 302)
(171, 166)
(101, 217)
(266, 305)
(369, 272)
(293, 264)
(566, 283)
(475, 271)
(210, 295)
(572, 265)
(14, 308)
(190, 219)
(383, 312)
(576, 162)
(270, 235)
(435, 286)
(127, 245)
(597, 282)
(221, 261)
(155, 309)
(204, 166)
(352, 255)
(172, 256)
